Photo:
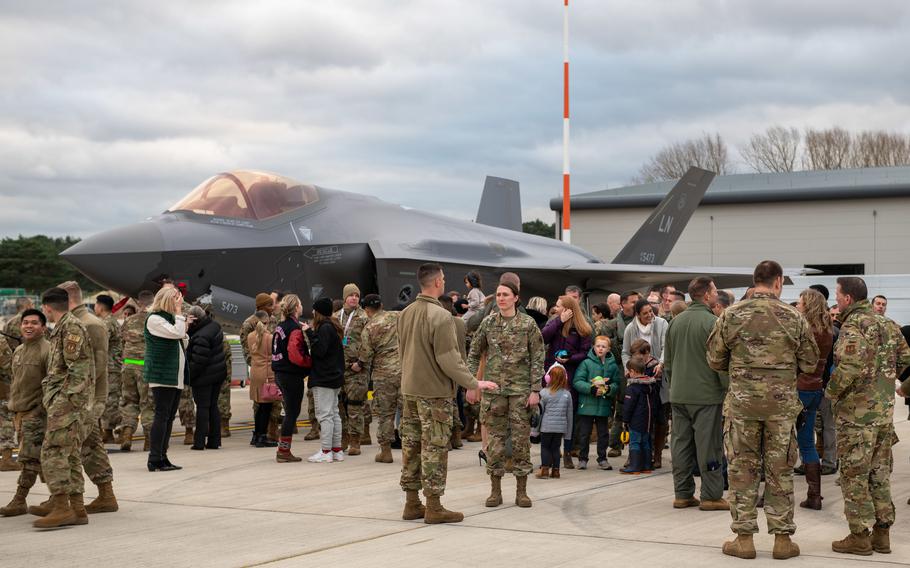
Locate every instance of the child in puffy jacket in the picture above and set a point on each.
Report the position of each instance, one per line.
(555, 421)
(641, 409)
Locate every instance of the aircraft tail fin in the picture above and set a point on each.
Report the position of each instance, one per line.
(500, 204)
(658, 235)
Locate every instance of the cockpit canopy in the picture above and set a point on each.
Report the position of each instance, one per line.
(245, 194)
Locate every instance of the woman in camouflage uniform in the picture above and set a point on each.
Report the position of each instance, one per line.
(514, 351)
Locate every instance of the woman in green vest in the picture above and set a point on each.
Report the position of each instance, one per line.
(165, 369)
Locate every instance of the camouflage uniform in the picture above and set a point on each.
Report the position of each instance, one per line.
(69, 390)
(426, 427)
(224, 397)
(356, 384)
(869, 355)
(514, 353)
(13, 331)
(761, 344)
(7, 430)
(29, 368)
(94, 457)
(111, 417)
(379, 353)
(135, 400)
(247, 327)
(187, 409)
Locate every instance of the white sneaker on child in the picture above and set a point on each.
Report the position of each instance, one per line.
(338, 456)
(320, 457)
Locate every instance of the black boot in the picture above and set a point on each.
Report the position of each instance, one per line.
(263, 442)
(255, 439)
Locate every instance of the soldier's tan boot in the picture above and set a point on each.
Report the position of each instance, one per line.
(43, 509)
(714, 505)
(188, 437)
(854, 543)
(126, 439)
(61, 514)
(413, 508)
(741, 547)
(385, 454)
(225, 428)
(7, 463)
(354, 448)
(78, 505)
(17, 506)
(436, 513)
(784, 548)
(685, 503)
(146, 442)
(881, 540)
(456, 439)
(495, 498)
(313, 434)
(521, 492)
(106, 502)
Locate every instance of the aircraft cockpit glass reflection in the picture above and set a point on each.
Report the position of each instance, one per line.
(247, 195)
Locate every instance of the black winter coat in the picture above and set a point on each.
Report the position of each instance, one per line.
(641, 408)
(205, 353)
(328, 357)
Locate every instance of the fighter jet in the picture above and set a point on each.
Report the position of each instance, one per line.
(243, 232)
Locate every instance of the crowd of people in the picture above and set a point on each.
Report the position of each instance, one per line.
(737, 388)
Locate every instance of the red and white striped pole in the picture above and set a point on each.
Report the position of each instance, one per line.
(566, 205)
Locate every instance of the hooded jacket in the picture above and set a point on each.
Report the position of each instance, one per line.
(641, 408)
(205, 353)
(589, 404)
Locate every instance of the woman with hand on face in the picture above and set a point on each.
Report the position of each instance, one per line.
(647, 326)
(568, 337)
(513, 349)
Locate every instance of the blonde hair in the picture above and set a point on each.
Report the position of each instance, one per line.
(166, 300)
(816, 311)
(538, 304)
(288, 306)
(578, 321)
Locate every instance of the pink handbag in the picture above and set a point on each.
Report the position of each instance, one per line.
(269, 392)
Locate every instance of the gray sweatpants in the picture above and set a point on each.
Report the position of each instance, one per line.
(697, 438)
(329, 418)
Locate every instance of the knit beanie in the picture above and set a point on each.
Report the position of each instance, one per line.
(511, 278)
(348, 290)
(263, 301)
(323, 306)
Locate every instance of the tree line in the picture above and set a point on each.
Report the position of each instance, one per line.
(781, 149)
(34, 263)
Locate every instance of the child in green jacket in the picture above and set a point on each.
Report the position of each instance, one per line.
(597, 381)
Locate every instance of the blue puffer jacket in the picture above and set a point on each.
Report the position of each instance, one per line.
(641, 408)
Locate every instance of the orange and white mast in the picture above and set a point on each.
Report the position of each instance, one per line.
(566, 206)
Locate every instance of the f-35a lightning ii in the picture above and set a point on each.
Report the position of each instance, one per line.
(243, 232)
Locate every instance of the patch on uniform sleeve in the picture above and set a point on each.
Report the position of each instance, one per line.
(71, 343)
(850, 349)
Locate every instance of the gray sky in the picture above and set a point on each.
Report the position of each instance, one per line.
(112, 111)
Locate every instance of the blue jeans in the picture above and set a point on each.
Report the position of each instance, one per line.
(806, 434)
(640, 442)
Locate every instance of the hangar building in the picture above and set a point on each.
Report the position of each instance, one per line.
(854, 221)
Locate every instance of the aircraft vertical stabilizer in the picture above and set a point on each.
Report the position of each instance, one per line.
(500, 204)
(658, 235)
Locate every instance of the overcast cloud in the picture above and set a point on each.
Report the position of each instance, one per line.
(112, 111)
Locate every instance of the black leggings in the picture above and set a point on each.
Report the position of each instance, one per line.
(292, 390)
(167, 400)
(549, 449)
(584, 436)
(261, 419)
(208, 418)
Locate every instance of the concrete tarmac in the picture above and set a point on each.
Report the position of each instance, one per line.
(237, 507)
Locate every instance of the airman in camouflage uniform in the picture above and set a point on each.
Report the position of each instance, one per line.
(69, 390)
(111, 418)
(379, 353)
(869, 356)
(514, 352)
(761, 344)
(356, 382)
(247, 327)
(136, 403)
(29, 367)
(7, 430)
(224, 397)
(12, 329)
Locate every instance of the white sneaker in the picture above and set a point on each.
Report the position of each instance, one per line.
(320, 457)
(338, 456)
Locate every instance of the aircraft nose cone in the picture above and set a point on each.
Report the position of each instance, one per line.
(122, 259)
